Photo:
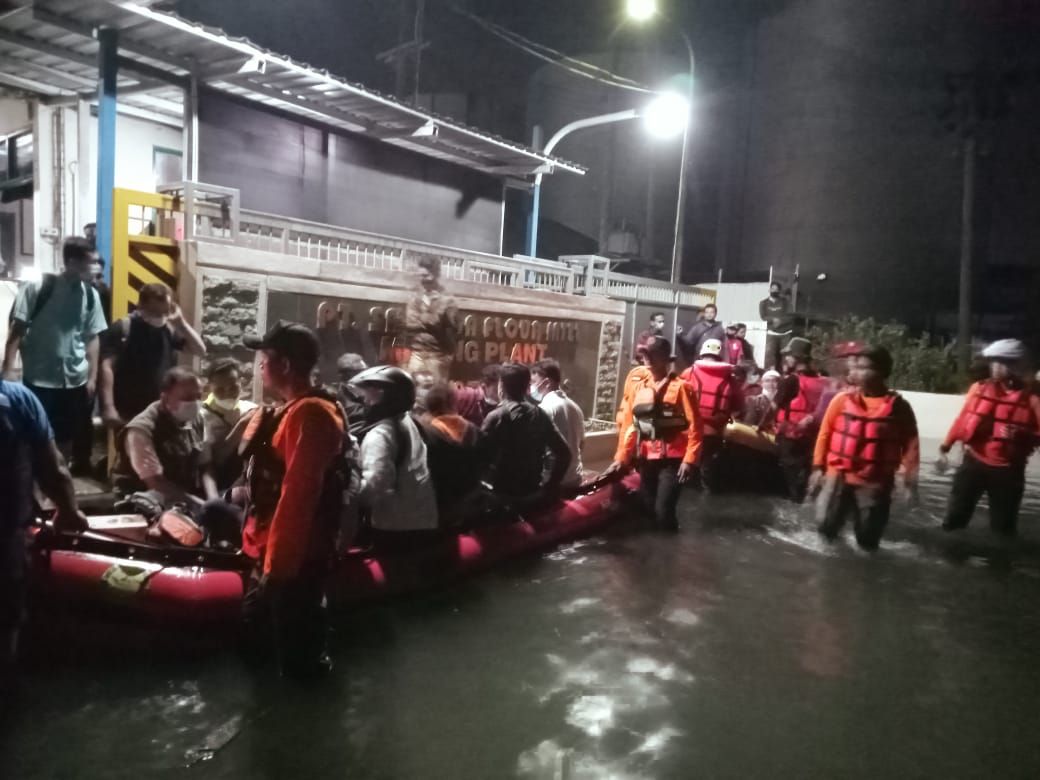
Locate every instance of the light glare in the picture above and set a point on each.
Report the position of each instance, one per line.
(641, 10)
(666, 115)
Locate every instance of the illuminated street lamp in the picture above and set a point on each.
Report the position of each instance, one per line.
(643, 11)
(665, 116)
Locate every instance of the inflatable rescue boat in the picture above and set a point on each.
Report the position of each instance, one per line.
(115, 564)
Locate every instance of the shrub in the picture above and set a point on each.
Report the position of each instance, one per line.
(917, 363)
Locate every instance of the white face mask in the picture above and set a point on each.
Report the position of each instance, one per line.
(155, 322)
(535, 392)
(227, 404)
(186, 411)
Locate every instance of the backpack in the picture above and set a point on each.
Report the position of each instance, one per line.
(47, 285)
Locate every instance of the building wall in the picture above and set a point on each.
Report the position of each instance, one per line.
(285, 167)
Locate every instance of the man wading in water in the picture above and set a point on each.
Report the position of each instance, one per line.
(661, 427)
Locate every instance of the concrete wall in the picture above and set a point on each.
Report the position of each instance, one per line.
(285, 167)
(935, 413)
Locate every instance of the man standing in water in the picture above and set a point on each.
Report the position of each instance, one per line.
(661, 430)
(999, 427)
(867, 433)
(296, 497)
(796, 400)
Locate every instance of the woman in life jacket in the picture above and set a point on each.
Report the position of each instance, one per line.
(867, 434)
(999, 427)
(661, 432)
(719, 399)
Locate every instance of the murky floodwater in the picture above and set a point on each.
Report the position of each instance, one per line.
(744, 647)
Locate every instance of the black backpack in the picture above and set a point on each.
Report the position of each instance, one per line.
(47, 285)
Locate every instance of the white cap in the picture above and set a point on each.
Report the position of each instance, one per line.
(771, 374)
(1005, 349)
(711, 347)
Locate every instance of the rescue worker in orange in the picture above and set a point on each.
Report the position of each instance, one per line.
(296, 498)
(797, 397)
(867, 434)
(719, 399)
(999, 427)
(661, 431)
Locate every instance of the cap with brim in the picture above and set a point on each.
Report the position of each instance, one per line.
(287, 338)
(798, 347)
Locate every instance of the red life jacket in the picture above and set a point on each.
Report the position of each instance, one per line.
(1000, 422)
(866, 445)
(713, 381)
(810, 388)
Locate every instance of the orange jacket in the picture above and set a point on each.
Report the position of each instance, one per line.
(684, 443)
(999, 425)
(868, 438)
(309, 436)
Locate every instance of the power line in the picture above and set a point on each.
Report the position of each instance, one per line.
(552, 56)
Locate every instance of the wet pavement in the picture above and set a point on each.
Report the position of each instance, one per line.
(743, 647)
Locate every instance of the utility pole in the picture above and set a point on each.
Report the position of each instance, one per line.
(964, 339)
(398, 57)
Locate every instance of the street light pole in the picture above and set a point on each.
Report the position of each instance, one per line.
(536, 191)
(680, 203)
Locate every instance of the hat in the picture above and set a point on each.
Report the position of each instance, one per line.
(1005, 349)
(711, 347)
(845, 349)
(771, 374)
(289, 339)
(799, 347)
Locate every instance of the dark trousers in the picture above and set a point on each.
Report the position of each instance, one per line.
(290, 616)
(1004, 485)
(660, 488)
(711, 462)
(771, 358)
(70, 411)
(795, 459)
(13, 572)
(866, 505)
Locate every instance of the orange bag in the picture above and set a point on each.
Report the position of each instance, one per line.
(178, 528)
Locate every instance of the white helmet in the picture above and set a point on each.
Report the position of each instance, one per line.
(1005, 349)
(711, 347)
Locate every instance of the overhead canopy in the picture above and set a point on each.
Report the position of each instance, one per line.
(48, 47)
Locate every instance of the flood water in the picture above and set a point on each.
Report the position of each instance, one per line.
(743, 647)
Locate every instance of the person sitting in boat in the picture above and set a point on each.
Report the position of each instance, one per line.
(221, 412)
(566, 415)
(163, 449)
(476, 403)
(453, 453)
(523, 444)
(719, 398)
(296, 489)
(396, 485)
(759, 410)
(349, 366)
(661, 432)
(867, 434)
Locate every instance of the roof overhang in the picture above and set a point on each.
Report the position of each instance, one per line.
(49, 48)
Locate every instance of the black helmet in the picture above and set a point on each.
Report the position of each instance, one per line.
(398, 387)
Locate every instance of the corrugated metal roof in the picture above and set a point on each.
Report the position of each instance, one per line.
(48, 47)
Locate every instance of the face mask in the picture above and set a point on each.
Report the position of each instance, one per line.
(535, 393)
(769, 392)
(227, 404)
(155, 322)
(186, 411)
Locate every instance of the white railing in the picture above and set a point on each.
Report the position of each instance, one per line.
(213, 214)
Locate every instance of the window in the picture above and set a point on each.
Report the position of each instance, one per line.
(16, 157)
(166, 165)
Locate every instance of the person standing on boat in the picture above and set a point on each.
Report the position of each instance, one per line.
(566, 415)
(797, 398)
(296, 497)
(719, 399)
(999, 427)
(430, 320)
(522, 443)
(28, 454)
(867, 435)
(661, 432)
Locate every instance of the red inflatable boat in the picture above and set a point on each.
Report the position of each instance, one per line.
(115, 564)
